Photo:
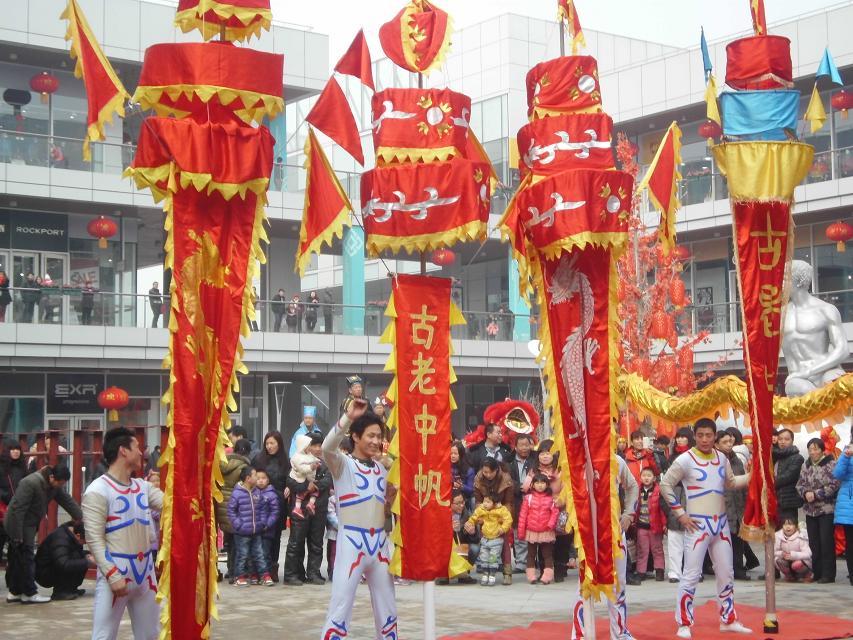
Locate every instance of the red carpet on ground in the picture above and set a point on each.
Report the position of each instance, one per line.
(652, 625)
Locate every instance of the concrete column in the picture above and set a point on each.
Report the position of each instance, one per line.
(521, 326)
(353, 285)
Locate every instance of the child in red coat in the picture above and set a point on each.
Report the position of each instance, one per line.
(536, 525)
(651, 523)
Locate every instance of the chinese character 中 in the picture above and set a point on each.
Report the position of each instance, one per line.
(425, 425)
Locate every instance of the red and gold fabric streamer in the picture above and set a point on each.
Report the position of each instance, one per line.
(233, 19)
(332, 115)
(563, 85)
(105, 94)
(567, 12)
(422, 313)
(662, 180)
(759, 20)
(761, 178)
(424, 206)
(326, 209)
(418, 37)
(411, 125)
(356, 61)
(211, 171)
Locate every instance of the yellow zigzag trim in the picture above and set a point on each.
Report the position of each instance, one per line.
(827, 405)
(149, 97)
(190, 19)
(474, 230)
(395, 155)
(457, 565)
(148, 177)
(151, 177)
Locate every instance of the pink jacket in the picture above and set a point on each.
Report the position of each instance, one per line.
(538, 514)
(797, 545)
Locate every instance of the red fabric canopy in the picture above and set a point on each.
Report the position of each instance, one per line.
(759, 62)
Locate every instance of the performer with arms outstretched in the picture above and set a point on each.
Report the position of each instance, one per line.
(705, 473)
(362, 544)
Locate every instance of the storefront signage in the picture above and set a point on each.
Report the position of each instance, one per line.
(5, 228)
(35, 231)
(74, 393)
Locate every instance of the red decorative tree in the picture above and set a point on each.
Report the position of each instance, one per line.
(658, 338)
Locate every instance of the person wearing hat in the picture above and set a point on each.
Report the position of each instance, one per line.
(355, 384)
(306, 427)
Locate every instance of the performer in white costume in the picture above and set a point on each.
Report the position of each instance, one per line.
(618, 609)
(117, 515)
(705, 474)
(362, 545)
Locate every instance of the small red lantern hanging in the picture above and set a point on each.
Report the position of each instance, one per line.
(839, 232)
(685, 360)
(443, 257)
(710, 130)
(102, 228)
(113, 399)
(660, 325)
(669, 372)
(44, 84)
(842, 101)
(677, 292)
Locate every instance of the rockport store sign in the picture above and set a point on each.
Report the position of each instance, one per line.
(33, 231)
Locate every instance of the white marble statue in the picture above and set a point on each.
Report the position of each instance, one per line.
(813, 340)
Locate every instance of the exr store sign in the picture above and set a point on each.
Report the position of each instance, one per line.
(74, 393)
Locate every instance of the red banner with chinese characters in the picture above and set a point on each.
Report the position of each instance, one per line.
(418, 37)
(577, 291)
(420, 332)
(559, 143)
(421, 207)
(563, 85)
(419, 124)
(763, 234)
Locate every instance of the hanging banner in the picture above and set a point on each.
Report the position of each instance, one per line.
(559, 143)
(419, 124)
(761, 177)
(420, 334)
(563, 85)
(422, 207)
(418, 37)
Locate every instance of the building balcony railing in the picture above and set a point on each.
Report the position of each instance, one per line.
(72, 306)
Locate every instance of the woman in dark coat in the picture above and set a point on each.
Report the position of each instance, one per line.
(13, 468)
(273, 459)
(5, 296)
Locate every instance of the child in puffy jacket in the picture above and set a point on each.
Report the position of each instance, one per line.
(792, 552)
(494, 520)
(244, 513)
(270, 512)
(650, 521)
(536, 525)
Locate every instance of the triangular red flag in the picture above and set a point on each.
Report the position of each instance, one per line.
(332, 115)
(326, 210)
(662, 179)
(356, 61)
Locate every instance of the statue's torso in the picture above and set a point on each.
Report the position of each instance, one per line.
(805, 340)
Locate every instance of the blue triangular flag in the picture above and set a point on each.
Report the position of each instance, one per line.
(827, 68)
(706, 58)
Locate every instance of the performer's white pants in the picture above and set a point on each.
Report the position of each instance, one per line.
(139, 601)
(715, 538)
(617, 611)
(361, 552)
(675, 553)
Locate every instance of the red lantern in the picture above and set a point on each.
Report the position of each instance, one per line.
(443, 257)
(681, 253)
(685, 383)
(710, 130)
(842, 101)
(839, 232)
(669, 372)
(113, 399)
(102, 228)
(643, 367)
(685, 360)
(677, 292)
(660, 325)
(45, 84)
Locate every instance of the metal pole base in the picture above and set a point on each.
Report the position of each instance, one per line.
(771, 624)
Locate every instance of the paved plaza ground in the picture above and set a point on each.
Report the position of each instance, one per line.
(296, 613)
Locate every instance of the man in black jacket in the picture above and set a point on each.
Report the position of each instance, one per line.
(787, 464)
(61, 561)
(491, 447)
(310, 527)
(520, 464)
(28, 507)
